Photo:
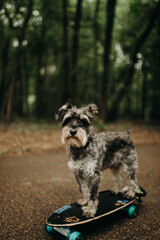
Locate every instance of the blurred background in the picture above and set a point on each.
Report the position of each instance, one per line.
(80, 51)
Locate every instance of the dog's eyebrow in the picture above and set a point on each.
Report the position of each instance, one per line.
(66, 121)
(83, 116)
(68, 115)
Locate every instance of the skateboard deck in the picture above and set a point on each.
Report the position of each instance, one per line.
(72, 214)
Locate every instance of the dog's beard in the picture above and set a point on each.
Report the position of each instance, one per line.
(79, 140)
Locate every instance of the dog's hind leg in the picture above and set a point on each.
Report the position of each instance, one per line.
(130, 166)
(131, 181)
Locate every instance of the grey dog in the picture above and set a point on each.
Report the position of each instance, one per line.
(90, 153)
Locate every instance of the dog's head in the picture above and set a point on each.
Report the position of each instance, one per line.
(77, 123)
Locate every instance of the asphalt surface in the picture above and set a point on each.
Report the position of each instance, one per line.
(32, 187)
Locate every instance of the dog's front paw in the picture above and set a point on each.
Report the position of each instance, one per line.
(90, 210)
(82, 202)
(88, 213)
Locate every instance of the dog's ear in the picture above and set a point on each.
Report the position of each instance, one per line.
(91, 109)
(63, 110)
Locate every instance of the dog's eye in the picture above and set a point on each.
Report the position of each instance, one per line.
(66, 121)
(84, 122)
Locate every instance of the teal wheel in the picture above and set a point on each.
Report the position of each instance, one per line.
(132, 211)
(49, 229)
(73, 235)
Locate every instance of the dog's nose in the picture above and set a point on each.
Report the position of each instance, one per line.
(73, 132)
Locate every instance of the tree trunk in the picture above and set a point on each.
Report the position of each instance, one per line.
(12, 87)
(65, 62)
(144, 93)
(95, 54)
(3, 78)
(19, 92)
(26, 84)
(75, 49)
(17, 60)
(111, 4)
(129, 77)
(4, 44)
(39, 84)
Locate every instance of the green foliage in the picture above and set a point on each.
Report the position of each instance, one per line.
(41, 70)
(100, 125)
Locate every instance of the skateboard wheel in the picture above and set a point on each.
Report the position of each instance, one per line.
(132, 211)
(49, 229)
(73, 235)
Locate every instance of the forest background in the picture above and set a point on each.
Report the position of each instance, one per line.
(80, 51)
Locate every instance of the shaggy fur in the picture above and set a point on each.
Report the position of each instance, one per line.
(90, 153)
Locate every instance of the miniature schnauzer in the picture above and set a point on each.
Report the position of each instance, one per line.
(90, 153)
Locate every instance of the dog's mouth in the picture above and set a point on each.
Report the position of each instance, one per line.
(73, 141)
(73, 137)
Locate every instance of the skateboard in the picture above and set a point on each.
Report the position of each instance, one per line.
(63, 219)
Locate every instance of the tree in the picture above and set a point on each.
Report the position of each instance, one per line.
(75, 49)
(127, 80)
(41, 53)
(65, 61)
(50, 54)
(5, 51)
(17, 59)
(110, 10)
(95, 50)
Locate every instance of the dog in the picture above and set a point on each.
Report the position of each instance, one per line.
(90, 153)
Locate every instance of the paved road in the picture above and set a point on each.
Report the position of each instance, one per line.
(31, 187)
